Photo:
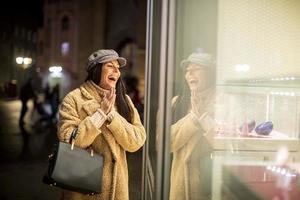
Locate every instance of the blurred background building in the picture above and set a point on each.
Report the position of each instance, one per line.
(18, 43)
(73, 29)
(64, 33)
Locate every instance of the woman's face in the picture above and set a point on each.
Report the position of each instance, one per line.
(196, 77)
(110, 74)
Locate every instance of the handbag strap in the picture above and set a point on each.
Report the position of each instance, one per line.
(72, 140)
(73, 135)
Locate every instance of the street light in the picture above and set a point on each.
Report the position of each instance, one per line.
(19, 60)
(27, 61)
(24, 61)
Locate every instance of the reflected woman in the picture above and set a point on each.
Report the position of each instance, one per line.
(192, 124)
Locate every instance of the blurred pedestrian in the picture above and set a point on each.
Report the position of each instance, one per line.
(54, 101)
(26, 93)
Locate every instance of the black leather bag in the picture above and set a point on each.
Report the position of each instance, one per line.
(74, 169)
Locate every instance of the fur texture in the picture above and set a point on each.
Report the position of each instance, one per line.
(112, 140)
(191, 147)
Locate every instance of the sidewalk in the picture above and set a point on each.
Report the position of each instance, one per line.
(21, 175)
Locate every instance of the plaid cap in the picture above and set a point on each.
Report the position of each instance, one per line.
(202, 59)
(103, 56)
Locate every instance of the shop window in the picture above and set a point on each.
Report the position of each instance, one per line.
(65, 22)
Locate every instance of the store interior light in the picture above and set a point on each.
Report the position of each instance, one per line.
(283, 79)
(284, 93)
(242, 68)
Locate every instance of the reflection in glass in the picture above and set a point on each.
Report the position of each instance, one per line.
(232, 116)
(192, 127)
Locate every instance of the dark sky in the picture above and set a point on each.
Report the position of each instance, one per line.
(29, 12)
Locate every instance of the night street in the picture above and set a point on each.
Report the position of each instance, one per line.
(21, 174)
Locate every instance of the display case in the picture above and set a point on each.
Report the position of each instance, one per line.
(240, 110)
(257, 114)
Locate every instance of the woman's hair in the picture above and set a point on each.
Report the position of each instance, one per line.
(121, 100)
(183, 102)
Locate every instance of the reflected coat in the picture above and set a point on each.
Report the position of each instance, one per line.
(191, 148)
(112, 140)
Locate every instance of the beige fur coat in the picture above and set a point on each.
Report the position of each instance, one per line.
(191, 140)
(112, 140)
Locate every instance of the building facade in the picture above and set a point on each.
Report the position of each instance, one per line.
(18, 54)
(73, 29)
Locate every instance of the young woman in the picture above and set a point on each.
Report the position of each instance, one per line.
(106, 120)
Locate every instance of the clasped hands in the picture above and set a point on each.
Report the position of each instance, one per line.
(108, 101)
(197, 103)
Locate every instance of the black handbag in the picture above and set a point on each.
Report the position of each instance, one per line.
(74, 168)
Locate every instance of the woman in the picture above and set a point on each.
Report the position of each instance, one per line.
(192, 123)
(106, 120)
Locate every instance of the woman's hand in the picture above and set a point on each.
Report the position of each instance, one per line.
(108, 101)
(197, 103)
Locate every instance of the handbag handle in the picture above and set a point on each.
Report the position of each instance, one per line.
(72, 140)
(73, 137)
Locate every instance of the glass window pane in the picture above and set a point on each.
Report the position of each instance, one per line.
(235, 106)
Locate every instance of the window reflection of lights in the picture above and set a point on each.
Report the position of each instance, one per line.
(292, 78)
(283, 171)
(278, 170)
(288, 174)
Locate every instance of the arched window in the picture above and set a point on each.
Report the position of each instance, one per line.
(65, 23)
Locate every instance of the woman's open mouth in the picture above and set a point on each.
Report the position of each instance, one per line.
(112, 78)
(193, 81)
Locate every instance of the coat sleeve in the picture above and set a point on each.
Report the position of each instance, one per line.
(130, 136)
(183, 130)
(69, 120)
